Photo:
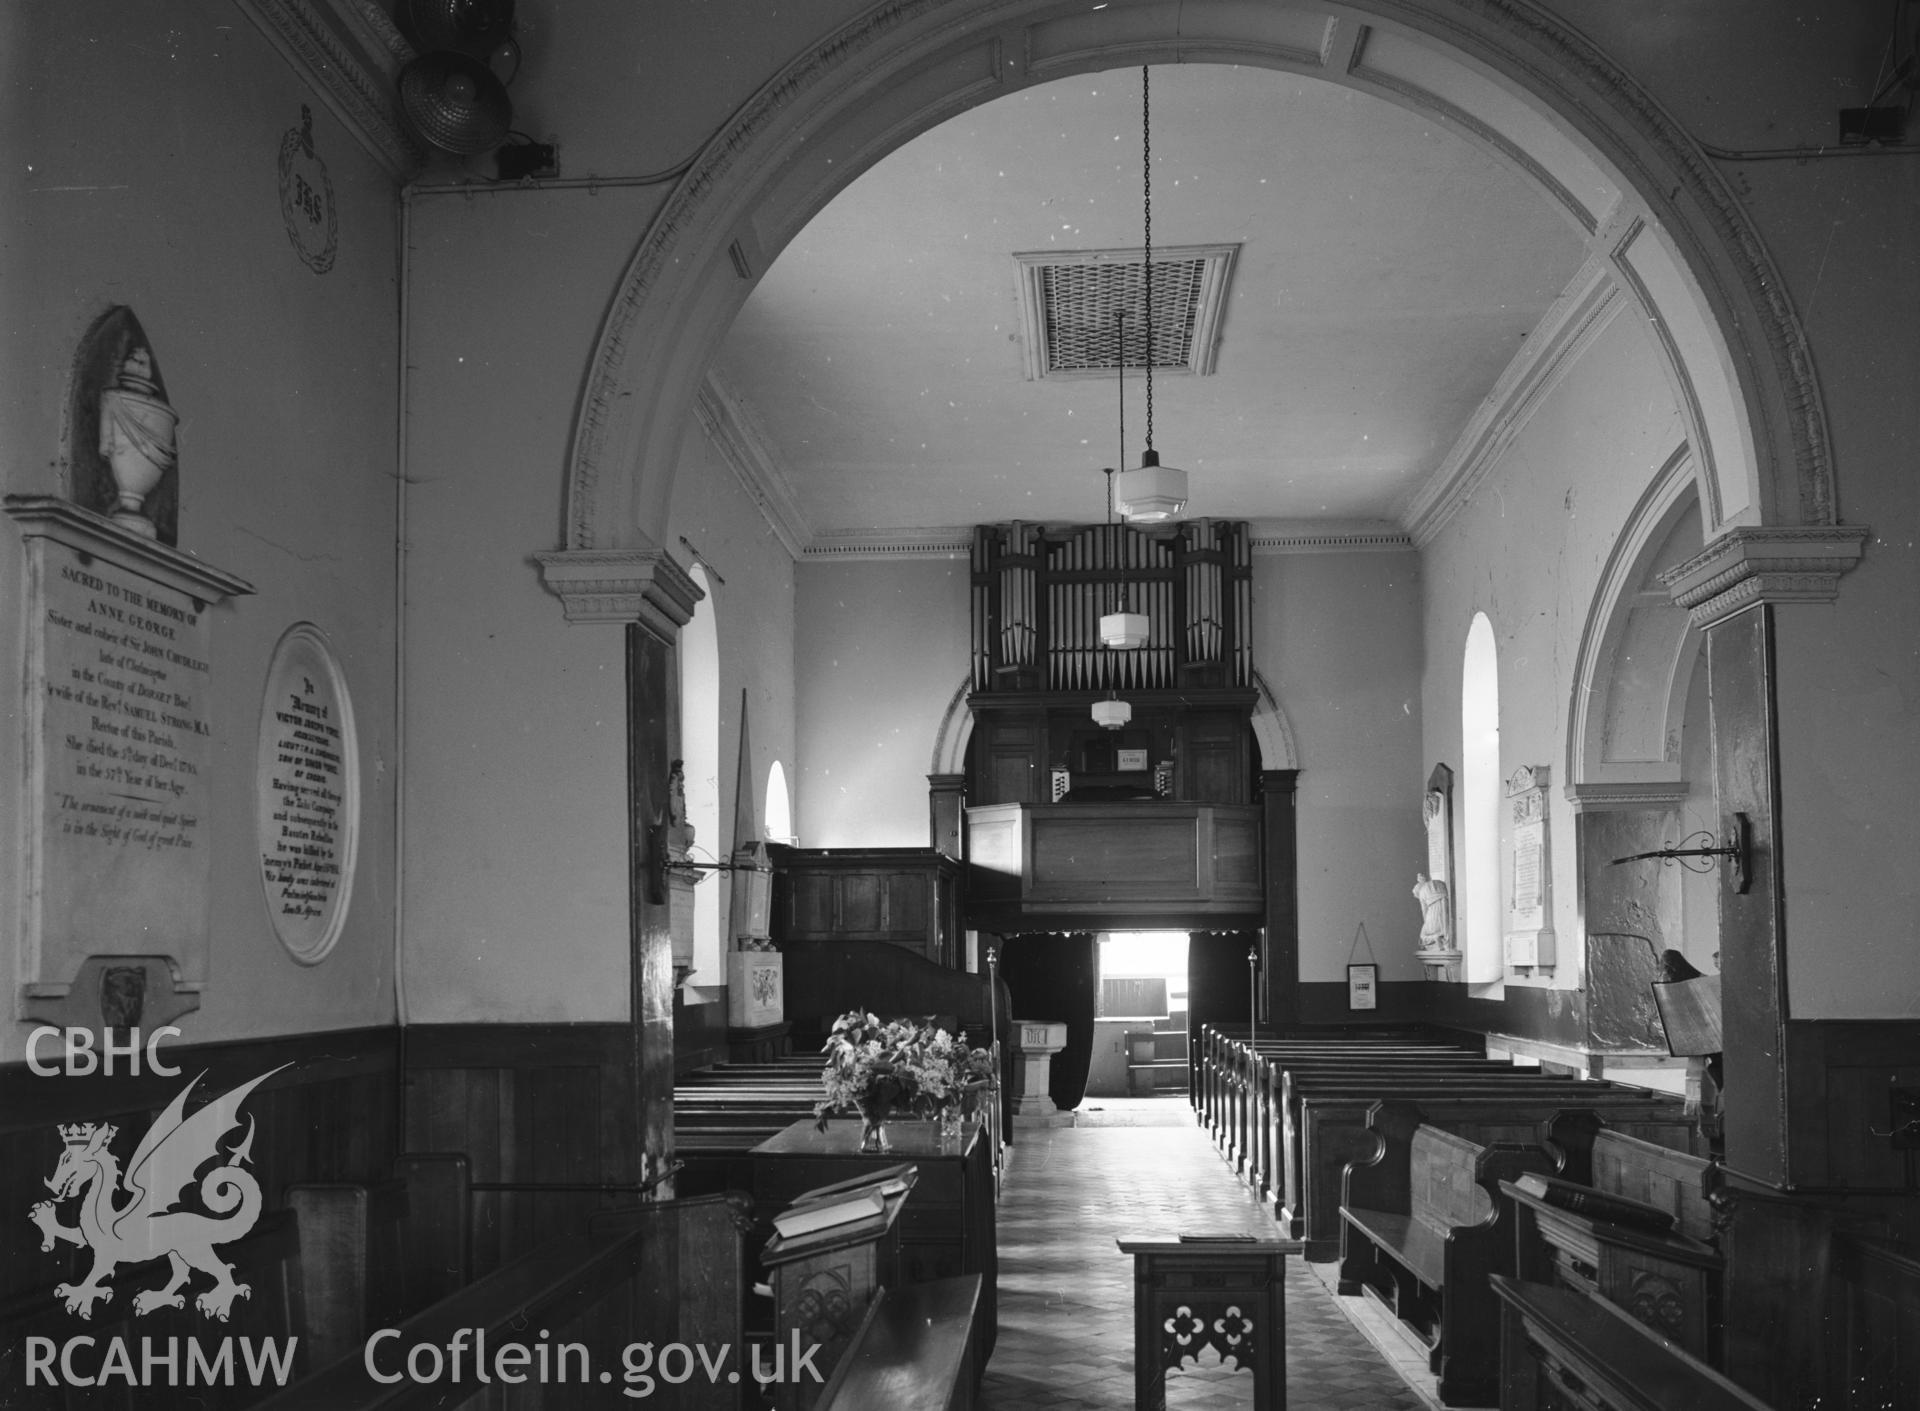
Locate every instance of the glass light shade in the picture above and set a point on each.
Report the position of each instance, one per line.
(1123, 631)
(1111, 714)
(1151, 492)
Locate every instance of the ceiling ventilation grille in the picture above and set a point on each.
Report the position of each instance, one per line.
(1069, 299)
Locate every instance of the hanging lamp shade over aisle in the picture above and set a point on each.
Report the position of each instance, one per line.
(1123, 631)
(1152, 493)
(1112, 713)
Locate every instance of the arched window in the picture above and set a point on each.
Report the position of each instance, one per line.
(700, 755)
(779, 806)
(1479, 904)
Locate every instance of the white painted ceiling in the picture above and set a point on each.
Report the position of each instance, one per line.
(1389, 271)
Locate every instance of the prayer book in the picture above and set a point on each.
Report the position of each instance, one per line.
(1597, 1205)
(827, 1214)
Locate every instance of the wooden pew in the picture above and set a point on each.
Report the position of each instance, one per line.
(948, 1225)
(1573, 1236)
(1237, 1082)
(1250, 1078)
(825, 1279)
(720, 1113)
(1579, 1349)
(658, 1273)
(1316, 1108)
(1625, 1163)
(1632, 1226)
(1423, 1229)
(1274, 1143)
(912, 1353)
(370, 1255)
(1333, 1132)
(1226, 1084)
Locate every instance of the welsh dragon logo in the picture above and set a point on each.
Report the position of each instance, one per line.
(149, 1223)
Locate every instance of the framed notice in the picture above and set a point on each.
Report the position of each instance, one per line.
(307, 794)
(1363, 987)
(1130, 761)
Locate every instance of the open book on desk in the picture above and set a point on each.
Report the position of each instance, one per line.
(848, 1208)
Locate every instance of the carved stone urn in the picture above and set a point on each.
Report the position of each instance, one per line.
(137, 439)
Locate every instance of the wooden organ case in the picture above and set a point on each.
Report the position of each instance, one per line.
(1073, 824)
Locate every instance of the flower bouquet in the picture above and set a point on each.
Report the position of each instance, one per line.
(878, 1068)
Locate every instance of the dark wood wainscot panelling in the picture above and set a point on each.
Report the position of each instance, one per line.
(1172, 862)
(907, 896)
(543, 1113)
(1850, 1084)
(1878, 1315)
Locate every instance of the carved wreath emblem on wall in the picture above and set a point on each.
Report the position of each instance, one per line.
(306, 197)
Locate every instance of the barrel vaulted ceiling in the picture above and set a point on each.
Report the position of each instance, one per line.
(1388, 272)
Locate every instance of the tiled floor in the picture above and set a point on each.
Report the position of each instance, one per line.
(1066, 1292)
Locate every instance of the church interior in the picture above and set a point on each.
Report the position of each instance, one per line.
(1333, 583)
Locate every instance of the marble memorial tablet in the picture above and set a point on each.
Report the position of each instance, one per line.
(124, 761)
(119, 758)
(307, 794)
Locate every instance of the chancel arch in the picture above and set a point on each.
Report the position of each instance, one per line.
(1506, 76)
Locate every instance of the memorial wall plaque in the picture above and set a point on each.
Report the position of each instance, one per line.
(1530, 940)
(119, 747)
(1433, 888)
(307, 794)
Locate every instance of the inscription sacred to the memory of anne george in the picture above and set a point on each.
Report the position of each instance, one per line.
(125, 758)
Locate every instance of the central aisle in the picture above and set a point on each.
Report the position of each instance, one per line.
(1066, 1290)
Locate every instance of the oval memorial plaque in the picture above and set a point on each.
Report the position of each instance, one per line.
(307, 794)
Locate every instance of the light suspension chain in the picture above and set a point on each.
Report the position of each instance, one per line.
(1146, 186)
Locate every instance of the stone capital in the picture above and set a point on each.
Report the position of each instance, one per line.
(1799, 564)
(644, 585)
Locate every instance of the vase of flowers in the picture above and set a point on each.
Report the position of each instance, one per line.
(878, 1068)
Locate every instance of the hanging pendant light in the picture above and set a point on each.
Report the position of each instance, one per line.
(1150, 493)
(1121, 630)
(1112, 713)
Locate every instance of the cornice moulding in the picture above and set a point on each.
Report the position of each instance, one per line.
(1277, 536)
(939, 541)
(1619, 797)
(349, 53)
(1786, 564)
(948, 541)
(644, 585)
(52, 517)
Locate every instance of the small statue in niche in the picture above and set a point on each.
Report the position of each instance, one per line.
(1435, 933)
(136, 438)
